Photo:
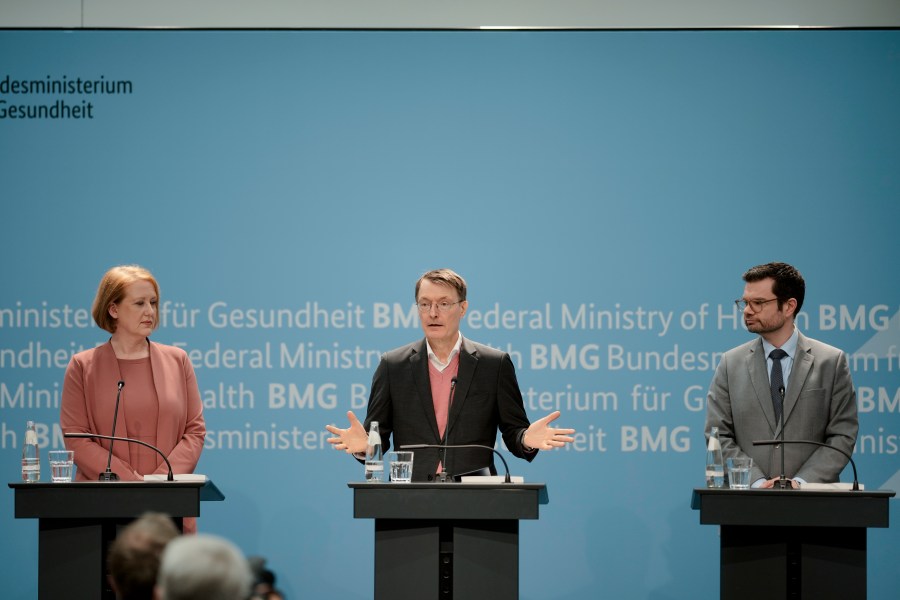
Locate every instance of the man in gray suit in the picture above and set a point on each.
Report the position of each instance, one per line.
(782, 370)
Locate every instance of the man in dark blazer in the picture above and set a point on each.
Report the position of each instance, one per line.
(448, 390)
(819, 401)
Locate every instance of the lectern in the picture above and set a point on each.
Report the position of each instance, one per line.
(792, 543)
(78, 521)
(447, 540)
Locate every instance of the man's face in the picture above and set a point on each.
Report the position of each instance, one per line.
(440, 326)
(768, 318)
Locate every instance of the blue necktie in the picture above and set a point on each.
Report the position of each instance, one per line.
(777, 381)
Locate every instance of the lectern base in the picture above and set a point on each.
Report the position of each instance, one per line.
(447, 540)
(431, 559)
(793, 562)
(72, 557)
(78, 521)
(789, 544)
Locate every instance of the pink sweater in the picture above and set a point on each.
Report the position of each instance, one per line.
(89, 398)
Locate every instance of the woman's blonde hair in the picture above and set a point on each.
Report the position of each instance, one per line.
(112, 289)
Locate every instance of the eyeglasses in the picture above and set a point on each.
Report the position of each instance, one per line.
(755, 305)
(425, 307)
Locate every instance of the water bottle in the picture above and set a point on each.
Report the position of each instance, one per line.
(715, 466)
(31, 455)
(374, 458)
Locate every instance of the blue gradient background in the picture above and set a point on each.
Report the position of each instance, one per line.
(268, 169)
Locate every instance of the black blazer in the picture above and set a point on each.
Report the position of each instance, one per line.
(487, 398)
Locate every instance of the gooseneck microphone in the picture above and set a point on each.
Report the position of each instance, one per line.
(112, 438)
(508, 479)
(776, 442)
(108, 475)
(782, 481)
(444, 453)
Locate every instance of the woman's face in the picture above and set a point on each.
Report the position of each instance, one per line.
(135, 314)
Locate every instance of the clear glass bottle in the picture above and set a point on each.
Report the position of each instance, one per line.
(31, 455)
(715, 466)
(374, 457)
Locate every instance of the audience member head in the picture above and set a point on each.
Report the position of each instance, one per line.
(201, 567)
(134, 556)
(264, 580)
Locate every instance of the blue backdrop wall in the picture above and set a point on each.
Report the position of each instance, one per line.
(602, 192)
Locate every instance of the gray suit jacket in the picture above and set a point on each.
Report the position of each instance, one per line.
(820, 405)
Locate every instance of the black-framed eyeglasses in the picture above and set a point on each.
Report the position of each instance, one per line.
(755, 305)
(425, 307)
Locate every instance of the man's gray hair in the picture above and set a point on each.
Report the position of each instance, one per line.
(202, 566)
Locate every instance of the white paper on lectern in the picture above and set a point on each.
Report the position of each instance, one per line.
(828, 486)
(178, 477)
(490, 479)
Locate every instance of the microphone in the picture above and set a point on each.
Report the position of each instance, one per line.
(782, 481)
(454, 446)
(776, 442)
(108, 475)
(443, 475)
(170, 477)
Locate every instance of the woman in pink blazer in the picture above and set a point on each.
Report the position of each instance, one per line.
(160, 402)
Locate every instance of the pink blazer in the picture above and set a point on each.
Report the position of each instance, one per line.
(89, 399)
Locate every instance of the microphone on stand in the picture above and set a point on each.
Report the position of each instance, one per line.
(169, 477)
(782, 481)
(783, 441)
(443, 477)
(108, 475)
(508, 479)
